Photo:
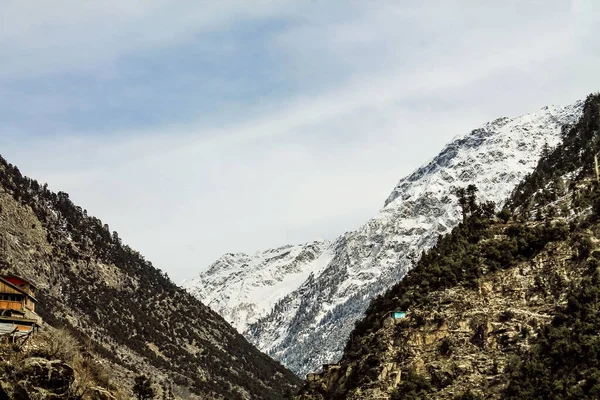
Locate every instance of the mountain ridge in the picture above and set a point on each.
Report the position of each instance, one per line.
(129, 314)
(504, 306)
(309, 326)
(230, 288)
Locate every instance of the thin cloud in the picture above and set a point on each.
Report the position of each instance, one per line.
(365, 95)
(74, 36)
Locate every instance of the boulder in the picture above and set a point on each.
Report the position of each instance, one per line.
(98, 393)
(39, 375)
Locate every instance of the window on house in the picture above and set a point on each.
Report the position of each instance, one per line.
(10, 297)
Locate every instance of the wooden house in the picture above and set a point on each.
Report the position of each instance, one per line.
(17, 305)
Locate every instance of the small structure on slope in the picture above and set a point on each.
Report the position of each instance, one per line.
(392, 317)
(17, 306)
(397, 314)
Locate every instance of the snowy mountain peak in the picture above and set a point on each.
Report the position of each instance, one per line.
(244, 287)
(309, 325)
(518, 131)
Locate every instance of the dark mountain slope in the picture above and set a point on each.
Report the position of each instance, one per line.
(132, 314)
(504, 306)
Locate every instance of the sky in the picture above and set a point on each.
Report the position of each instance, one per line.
(197, 128)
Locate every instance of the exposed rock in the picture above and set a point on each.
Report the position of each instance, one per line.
(498, 308)
(97, 393)
(36, 378)
(484, 326)
(310, 325)
(53, 376)
(243, 288)
(128, 313)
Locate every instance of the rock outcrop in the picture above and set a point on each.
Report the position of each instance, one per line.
(50, 365)
(505, 306)
(310, 325)
(127, 312)
(243, 288)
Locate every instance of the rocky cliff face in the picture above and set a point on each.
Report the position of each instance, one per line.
(505, 306)
(457, 340)
(310, 325)
(51, 365)
(243, 288)
(128, 312)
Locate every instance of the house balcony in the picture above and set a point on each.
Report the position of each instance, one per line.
(14, 310)
(11, 305)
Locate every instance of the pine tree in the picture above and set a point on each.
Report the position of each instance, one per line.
(143, 389)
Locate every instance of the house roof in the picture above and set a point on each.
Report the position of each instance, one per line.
(3, 280)
(21, 278)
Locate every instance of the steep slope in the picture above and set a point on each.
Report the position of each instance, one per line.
(50, 365)
(242, 288)
(127, 311)
(310, 325)
(503, 307)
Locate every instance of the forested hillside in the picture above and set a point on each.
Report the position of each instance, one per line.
(505, 306)
(129, 312)
(317, 308)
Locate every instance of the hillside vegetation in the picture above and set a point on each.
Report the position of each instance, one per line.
(54, 365)
(107, 295)
(312, 322)
(505, 306)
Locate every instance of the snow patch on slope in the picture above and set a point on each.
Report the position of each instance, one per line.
(311, 323)
(243, 288)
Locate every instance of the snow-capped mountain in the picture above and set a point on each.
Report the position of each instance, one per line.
(243, 288)
(311, 324)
